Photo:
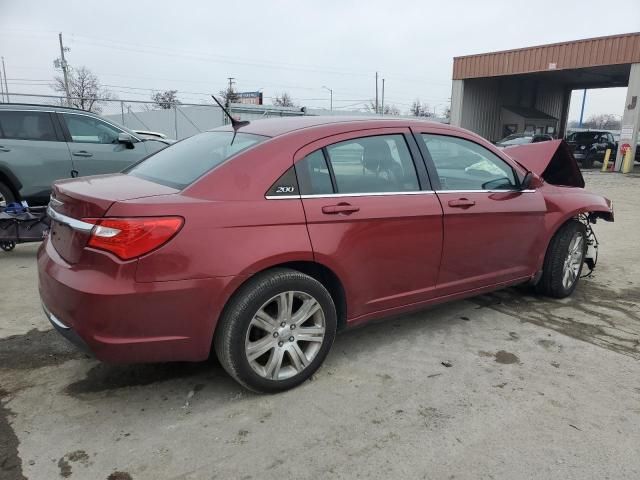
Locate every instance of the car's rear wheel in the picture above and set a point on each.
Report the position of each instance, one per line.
(563, 261)
(276, 331)
(6, 195)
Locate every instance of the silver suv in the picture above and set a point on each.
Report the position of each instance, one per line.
(40, 144)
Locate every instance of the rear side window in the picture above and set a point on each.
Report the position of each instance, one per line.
(27, 125)
(182, 163)
(313, 175)
(372, 165)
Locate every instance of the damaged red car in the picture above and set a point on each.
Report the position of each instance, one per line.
(261, 240)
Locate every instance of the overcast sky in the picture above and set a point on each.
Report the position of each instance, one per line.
(295, 46)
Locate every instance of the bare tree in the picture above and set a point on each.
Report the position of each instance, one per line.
(391, 110)
(84, 88)
(446, 113)
(165, 100)
(420, 109)
(229, 95)
(283, 100)
(602, 121)
(386, 110)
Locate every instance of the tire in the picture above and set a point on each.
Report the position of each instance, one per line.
(556, 280)
(588, 161)
(281, 365)
(6, 195)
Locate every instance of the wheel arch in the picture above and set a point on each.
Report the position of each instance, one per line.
(593, 212)
(320, 272)
(10, 180)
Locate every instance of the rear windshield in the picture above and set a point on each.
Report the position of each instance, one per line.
(182, 163)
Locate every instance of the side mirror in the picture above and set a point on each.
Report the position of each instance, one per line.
(126, 139)
(531, 181)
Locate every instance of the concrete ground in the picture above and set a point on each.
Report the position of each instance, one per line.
(532, 388)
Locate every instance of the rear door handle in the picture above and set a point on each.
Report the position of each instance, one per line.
(340, 208)
(82, 153)
(4, 149)
(461, 203)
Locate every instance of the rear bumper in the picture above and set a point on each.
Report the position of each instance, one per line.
(66, 331)
(119, 320)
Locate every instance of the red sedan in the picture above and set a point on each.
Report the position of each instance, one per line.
(262, 240)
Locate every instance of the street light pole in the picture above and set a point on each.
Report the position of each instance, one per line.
(330, 97)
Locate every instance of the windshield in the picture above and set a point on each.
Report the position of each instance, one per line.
(584, 136)
(516, 139)
(182, 163)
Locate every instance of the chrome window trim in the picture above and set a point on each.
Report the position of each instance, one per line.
(338, 195)
(485, 191)
(383, 194)
(78, 225)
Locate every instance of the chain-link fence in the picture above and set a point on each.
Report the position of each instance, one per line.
(178, 121)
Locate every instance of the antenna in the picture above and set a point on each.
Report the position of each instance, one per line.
(235, 124)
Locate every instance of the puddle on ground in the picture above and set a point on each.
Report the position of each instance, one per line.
(587, 315)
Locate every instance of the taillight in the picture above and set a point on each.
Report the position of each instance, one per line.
(129, 238)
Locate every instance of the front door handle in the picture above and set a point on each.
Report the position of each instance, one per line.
(461, 203)
(82, 153)
(4, 149)
(345, 208)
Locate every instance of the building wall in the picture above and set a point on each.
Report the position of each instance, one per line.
(479, 102)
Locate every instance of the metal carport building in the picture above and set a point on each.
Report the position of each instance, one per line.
(540, 79)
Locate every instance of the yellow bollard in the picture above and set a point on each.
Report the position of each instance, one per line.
(627, 163)
(605, 164)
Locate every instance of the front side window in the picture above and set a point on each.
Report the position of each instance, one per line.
(27, 125)
(85, 129)
(465, 165)
(373, 165)
(184, 162)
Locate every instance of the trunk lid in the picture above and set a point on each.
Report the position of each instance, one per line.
(552, 160)
(91, 197)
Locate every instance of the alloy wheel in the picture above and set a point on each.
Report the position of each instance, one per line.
(285, 335)
(573, 260)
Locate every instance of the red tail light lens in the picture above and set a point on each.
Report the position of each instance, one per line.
(129, 238)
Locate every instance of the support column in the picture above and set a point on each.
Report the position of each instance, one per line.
(564, 114)
(630, 116)
(457, 95)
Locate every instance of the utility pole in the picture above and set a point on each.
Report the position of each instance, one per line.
(382, 109)
(1, 89)
(584, 99)
(376, 93)
(330, 97)
(6, 87)
(63, 64)
(230, 90)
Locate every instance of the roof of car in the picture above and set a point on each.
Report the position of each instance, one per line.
(272, 127)
(38, 106)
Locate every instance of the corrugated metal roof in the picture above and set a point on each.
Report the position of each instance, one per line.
(590, 52)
